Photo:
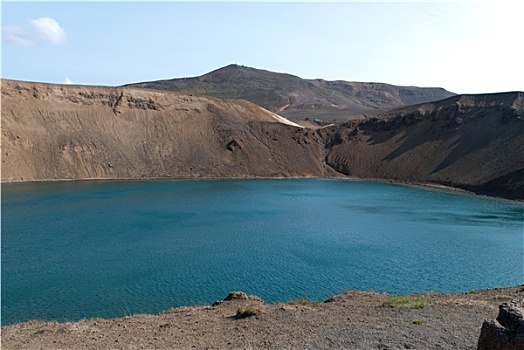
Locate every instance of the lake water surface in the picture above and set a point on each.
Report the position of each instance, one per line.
(73, 250)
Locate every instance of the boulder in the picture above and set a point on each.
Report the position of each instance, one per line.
(507, 331)
(236, 295)
(243, 296)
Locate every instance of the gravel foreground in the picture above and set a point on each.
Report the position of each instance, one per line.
(352, 320)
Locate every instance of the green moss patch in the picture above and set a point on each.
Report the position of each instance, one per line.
(406, 302)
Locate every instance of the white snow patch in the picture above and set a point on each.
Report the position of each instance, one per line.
(285, 121)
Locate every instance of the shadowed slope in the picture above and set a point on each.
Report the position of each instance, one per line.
(474, 142)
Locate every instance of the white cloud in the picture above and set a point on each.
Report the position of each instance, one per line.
(19, 36)
(67, 81)
(49, 29)
(41, 29)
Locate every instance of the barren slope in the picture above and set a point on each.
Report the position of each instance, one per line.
(298, 98)
(475, 142)
(73, 132)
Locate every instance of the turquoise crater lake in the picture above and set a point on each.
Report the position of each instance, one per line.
(73, 250)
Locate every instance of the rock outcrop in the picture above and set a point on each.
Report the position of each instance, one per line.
(507, 331)
(236, 295)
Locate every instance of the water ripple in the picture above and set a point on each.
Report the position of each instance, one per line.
(79, 250)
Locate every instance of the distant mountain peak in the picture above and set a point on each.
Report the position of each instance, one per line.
(297, 98)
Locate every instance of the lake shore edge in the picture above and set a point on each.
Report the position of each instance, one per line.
(419, 184)
(352, 319)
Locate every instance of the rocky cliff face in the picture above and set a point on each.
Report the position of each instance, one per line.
(475, 142)
(73, 132)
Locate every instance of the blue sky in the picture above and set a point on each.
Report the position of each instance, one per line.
(464, 47)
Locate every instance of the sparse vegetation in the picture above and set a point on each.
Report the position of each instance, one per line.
(34, 324)
(167, 325)
(405, 302)
(502, 297)
(473, 292)
(246, 312)
(303, 301)
(417, 322)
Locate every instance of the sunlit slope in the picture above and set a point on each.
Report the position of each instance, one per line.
(71, 132)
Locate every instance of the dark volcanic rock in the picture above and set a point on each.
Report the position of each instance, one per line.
(507, 331)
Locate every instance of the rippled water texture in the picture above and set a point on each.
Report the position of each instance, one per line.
(83, 249)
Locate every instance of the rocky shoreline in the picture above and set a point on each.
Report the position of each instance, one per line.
(351, 320)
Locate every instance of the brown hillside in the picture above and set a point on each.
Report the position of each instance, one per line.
(296, 98)
(475, 142)
(74, 132)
